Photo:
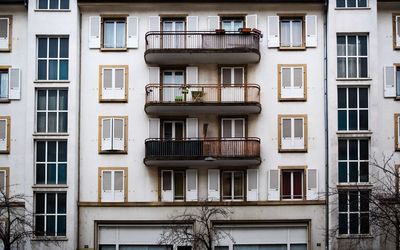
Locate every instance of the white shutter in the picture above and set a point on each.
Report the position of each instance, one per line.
(154, 128)
(389, 81)
(154, 26)
(192, 75)
(3, 135)
(4, 33)
(14, 82)
(252, 184)
(192, 23)
(133, 31)
(273, 185)
(397, 31)
(118, 134)
(273, 31)
(106, 132)
(311, 31)
(251, 21)
(213, 185)
(167, 180)
(94, 32)
(154, 75)
(192, 128)
(312, 184)
(191, 185)
(213, 23)
(192, 41)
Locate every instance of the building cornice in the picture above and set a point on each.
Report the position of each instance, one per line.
(199, 1)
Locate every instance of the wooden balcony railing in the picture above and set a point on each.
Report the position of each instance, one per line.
(202, 40)
(196, 148)
(202, 93)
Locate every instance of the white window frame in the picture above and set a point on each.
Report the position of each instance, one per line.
(46, 162)
(345, 7)
(358, 161)
(47, 111)
(292, 184)
(232, 69)
(232, 173)
(124, 133)
(348, 212)
(174, 129)
(233, 128)
(231, 22)
(6, 43)
(48, 5)
(56, 214)
(114, 21)
(48, 58)
(114, 94)
(7, 94)
(358, 109)
(291, 20)
(357, 57)
(5, 188)
(293, 143)
(5, 143)
(292, 92)
(174, 197)
(397, 131)
(113, 195)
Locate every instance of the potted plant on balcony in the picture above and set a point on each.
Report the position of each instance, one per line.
(220, 31)
(245, 30)
(178, 98)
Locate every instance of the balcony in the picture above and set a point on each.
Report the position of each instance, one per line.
(197, 47)
(230, 152)
(170, 99)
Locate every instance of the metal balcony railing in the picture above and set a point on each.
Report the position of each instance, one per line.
(202, 93)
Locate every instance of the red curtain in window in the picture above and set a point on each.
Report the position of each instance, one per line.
(286, 185)
(297, 185)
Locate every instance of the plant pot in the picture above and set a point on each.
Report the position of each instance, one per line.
(245, 30)
(220, 31)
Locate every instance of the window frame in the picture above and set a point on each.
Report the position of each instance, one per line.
(233, 124)
(232, 68)
(125, 83)
(115, 18)
(356, 7)
(48, 58)
(397, 131)
(395, 25)
(348, 211)
(46, 163)
(280, 83)
(6, 171)
(56, 214)
(303, 184)
(348, 161)
(232, 18)
(8, 131)
(357, 56)
(9, 33)
(357, 109)
(305, 132)
(100, 182)
(292, 17)
(48, 6)
(161, 182)
(47, 111)
(6, 69)
(243, 184)
(100, 133)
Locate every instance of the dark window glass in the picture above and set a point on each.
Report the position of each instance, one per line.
(353, 97)
(53, 47)
(364, 150)
(353, 149)
(51, 173)
(353, 223)
(343, 228)
(64, 4)
(42, 47)
(364, 223)
(363, 95)
(363, 67)
(51, 151)
(363, 119)
(342, 98)
(50, 225)
(41, 151)
(286, 187)
(353, 172)
(39, 225)
(39, 203)
(42, 70)
(364, 201)
(61, 225)
(51, 203)
(342, 172)
(63, 70)
(64, 47)
(364, 172)
(54, 4)
(53, 65)
(351, 3)
(61, 203)
(40, 173)
(342, 201)
(362, 3)
(342, 149)
(342, 120)
(43, 4)
(62, 173)
(62, 151)
(353, 201)
(353, 119)
(362, 46)
(340, 3)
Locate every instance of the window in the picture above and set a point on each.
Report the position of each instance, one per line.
(232, 24)
(292, 184)
(135, 247)
(354, 212)
(352, 56)
(53, 4)
(113, 134)
(353, 160)
(292, 133)
(396, 31)
(232, 76)
(173, 130)
(4, 181)
(113, 187)
(170, 27)
(51, 162)
(113, 83)
(10, 83)
(4, 84)
(172, 81)
(392, 81)
(292, 82)
(233, 128)
(179, 185)
(351, 3)
(50, 213)
(397, 131)
(5, 134)
(5, 33)
(352, 109)
(233, 185)
(51, 111)
(52, 64)
(291, 32)
(114, 35)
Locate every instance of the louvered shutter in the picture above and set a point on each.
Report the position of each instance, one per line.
(273, 185)
(94, 32)
(106, 132)
(154, 128)
(14, 80)
(4, 32)
(119, 83)
(192, 25)
(311, 31)
(192, 128)
(389, 81)
(133, 32)
(191, 185)
(251, 21)
(252, 184)
(167, 192)
(312, 184)
(273, 31)
(107, 193)
(213, 23)
(3, 135)
(107, 78)
(154, 26)
(213, 185)
(118, 134)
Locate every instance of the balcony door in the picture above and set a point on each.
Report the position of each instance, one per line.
(173, 81)
(232, 81)
(233, 133)
(173, 130)
(173, 41)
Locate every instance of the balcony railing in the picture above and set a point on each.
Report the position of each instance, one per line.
(202, 149)
(192, 43)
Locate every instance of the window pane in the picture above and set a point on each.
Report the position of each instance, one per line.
(351, 46)
(3, 85)
(62, 173)
(119, 78)
(178, 185)
(342, 172)
(239, 127)
(120, 33)
(341, 68)
(51, 151)
(238, 182)
(52, 105)
(363, 97)
(42, 70)
(342, 98)
(364, 150)
(226, 76)
(352, 68)
(109, 34)
(40, 151)
(298, 77)
(63, 100)
(167, 179)
(51, 203)
(353, 119)
(286, 184)
(285, 33)
(119, 180)
(363, 119)
(53, 65)
(106, 180)
(227, 185)
(343, 228)
(364, 201)
(63, 70)
(54, 4)
(362, 3)
(61, 203)
(353, 223)
(41, 101)
(364, 223)
(298, 185)
(41, 122)
(61, 225)
(50, 225)
(52, 122)
(286, 73)
(363, 67)
(40, 173)
(340, 3)
(353, 149)
(342, 149)
(62, 151)
(287, 128)
(351, 3)
(64, 4)
(51, 173)
(43, 4)
(42, 47)
(62, 122)
(353, 172)
(352, 97)
(64, 47)
(298, 128)
(53, 47)
(39, 208)
(353, 201)
(227, 128)
(39, 225)
(341, 45)
(297, 33)
(364, 169)
(238, 75)
(342, 120)
(362, 46)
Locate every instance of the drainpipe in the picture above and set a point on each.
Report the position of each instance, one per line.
(326, 125)
(79, 126)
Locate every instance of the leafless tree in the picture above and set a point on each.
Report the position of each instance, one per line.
(194, 227)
